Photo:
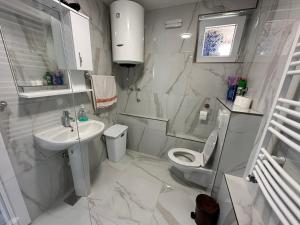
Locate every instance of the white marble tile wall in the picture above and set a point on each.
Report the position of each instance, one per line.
(273, 27)
(149, 136)
(171, 85)
(45, 176)
(241, 133)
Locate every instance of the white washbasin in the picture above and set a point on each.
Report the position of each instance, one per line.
(61, 138)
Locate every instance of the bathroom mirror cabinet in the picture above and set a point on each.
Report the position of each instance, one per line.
(49, 52)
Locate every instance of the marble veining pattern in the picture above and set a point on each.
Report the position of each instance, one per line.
(137, 190)
(150, 136)
(170, 84)
(44, 176)
(273, 26)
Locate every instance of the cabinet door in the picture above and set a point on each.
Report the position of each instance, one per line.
(82, 41)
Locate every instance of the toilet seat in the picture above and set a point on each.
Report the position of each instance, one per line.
(197, 157)
(181, 157)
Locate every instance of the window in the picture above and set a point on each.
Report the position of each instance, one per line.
(219, 38)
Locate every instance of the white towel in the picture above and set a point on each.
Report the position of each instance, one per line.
(104, 91)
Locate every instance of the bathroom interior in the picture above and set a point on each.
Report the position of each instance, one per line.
(147, 112)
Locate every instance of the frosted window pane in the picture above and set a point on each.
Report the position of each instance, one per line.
(218, 40)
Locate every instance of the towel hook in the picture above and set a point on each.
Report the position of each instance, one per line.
(3, 105)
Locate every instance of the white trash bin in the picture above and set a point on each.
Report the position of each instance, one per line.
(116, 142)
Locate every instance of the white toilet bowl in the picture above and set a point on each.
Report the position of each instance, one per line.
(192, 163)
(185, 157)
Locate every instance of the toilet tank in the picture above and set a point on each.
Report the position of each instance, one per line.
(127, 31)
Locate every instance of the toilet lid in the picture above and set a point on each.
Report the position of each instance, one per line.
(210, 146)
(197, 157)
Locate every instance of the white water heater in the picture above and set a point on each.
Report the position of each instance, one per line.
(127, 28)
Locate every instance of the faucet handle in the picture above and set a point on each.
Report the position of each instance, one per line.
(66, 113)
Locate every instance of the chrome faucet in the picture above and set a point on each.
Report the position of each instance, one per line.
(66, 120)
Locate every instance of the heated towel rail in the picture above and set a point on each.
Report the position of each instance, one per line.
(280, 189)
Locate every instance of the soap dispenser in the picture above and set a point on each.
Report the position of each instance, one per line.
(82, 115)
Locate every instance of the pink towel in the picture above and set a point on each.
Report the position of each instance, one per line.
(104, 91)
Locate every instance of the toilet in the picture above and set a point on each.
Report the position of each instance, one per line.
(192, 165)
(183, 157)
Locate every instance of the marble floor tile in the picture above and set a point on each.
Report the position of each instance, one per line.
(174, 207)
(104, 180)
(46, 219)
(64, 214)
(138, 190)
(160, 169)
(120, 209)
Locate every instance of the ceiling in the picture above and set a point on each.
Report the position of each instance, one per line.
(156, 4)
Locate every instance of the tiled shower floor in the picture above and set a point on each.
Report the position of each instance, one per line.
(137, 190)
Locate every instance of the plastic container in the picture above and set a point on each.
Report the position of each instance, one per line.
(242, 87)
(82, 115)
(48, 79)
(116, 142)
(58, 78)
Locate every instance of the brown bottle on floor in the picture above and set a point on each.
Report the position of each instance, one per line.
(207, 210)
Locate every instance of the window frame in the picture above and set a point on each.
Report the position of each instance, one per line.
(220, 20)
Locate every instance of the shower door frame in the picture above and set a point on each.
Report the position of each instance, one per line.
(12, 205)
(5, 208)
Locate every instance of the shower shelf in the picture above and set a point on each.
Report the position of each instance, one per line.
(47, 93)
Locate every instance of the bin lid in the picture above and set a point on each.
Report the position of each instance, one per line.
(115, 130)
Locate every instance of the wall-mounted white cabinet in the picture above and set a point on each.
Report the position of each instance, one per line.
(77, 43)
(81, 42)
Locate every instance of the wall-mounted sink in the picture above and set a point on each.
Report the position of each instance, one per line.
(62, 138)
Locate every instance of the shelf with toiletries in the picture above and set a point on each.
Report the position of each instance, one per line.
(237, 94)
(56, 59)
(48, 87)
(48, 93)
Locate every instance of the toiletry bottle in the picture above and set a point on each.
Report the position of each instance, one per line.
(232, 87)
(61, 77)
(48, 79)
(82, 115)
(56, 78)
(242, 87)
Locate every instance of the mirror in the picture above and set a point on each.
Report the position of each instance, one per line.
(27, 44)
